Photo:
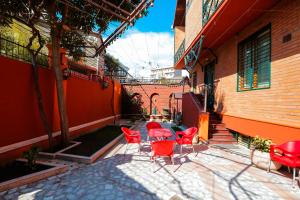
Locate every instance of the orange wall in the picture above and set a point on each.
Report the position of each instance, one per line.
(86, 102)
(278, 133)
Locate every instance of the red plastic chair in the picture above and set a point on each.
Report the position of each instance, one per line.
(163, 148)
(186, 137)
(287, 154)
(132, 137)
(152, 125)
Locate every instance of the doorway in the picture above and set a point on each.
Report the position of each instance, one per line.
(209, 76)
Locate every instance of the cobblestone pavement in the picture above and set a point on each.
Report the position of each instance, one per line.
(212, 173)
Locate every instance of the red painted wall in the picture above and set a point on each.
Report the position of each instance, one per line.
(86, 102)
(190, 111)
(18, 107)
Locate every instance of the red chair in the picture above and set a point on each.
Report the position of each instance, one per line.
(152, 125)
(287, 154)
(163, 148)
(132, 137)
(186, 137)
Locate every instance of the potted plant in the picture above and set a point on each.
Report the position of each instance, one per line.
(260, 154)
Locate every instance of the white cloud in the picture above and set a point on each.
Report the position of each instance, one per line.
(141, 51)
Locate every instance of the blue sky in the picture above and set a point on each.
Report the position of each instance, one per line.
(160, 17)
(149, 43)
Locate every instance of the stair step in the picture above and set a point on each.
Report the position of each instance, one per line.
(221, 134)
(222, 142)
(222, 137)
(217, 124)
(219, 128)
(218, 131)
(214, 139)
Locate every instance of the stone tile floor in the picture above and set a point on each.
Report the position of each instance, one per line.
(214, 172)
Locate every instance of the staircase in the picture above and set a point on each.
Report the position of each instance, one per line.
(218, 133)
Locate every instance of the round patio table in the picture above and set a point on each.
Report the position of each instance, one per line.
(160, 133)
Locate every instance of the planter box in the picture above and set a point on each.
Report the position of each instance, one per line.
(30, 178)
(49, 155)
(261, 160)
(92, 158)
(95, 156)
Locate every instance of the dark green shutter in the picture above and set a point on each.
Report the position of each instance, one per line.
(254, 58)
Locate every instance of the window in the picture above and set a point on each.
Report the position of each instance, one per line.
(254, 60)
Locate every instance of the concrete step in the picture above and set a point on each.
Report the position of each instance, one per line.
(217, 125)
(222, 137)
(221, 133)
(222, 141)
(219, 128)
(213, 131)
(214, 121)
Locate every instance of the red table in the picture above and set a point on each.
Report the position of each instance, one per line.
(160, 132)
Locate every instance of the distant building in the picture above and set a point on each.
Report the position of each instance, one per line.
(97, 61)
(167, 72)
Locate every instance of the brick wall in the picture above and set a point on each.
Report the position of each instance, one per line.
(193, 21)
(281, 103)
(163, 97)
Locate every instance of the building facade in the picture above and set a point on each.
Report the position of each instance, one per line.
(167, 72)
(248, 55)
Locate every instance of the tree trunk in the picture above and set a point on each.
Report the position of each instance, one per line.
(64, 125)
(112, 102)
(37, 90)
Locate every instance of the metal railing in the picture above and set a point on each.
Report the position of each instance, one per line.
(152, 81)
(120, 73)
(17, 51)
(179, 52)
(209, 7)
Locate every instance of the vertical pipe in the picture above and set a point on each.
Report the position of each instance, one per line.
(205, 98)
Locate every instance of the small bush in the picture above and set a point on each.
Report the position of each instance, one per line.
(31, 156)
(261, 144)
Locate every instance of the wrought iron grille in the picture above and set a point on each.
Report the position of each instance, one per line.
(179, 52)
(209, 7)
(17, 51)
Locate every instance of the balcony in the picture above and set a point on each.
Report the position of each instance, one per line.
(209, 7)
(179, 52)
(223, 20)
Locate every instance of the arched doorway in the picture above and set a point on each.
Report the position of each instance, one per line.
(153, 104)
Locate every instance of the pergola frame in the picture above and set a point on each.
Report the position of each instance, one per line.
(126, 17)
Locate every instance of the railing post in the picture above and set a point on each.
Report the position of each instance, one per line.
(203, 126)
(205, 98)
